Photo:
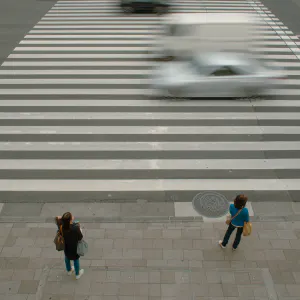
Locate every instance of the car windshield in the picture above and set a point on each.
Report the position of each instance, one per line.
(226, 71)
(242, 67)
(198, 65)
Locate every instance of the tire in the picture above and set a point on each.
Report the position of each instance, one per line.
(162, 58)
(175, 92)
(252, 92)
(169, 58)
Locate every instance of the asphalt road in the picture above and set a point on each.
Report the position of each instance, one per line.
(76, 89)
(288, 11)
(17, 17)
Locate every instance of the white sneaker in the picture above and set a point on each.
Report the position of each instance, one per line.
(71, 272)
(221, 245)
(80, 274)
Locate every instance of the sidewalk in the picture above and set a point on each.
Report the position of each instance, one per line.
(139, 210)
(167, 260)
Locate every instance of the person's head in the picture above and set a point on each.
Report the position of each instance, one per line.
(240, 201)
(67, 220)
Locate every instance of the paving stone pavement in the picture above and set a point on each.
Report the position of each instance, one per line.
(152, 261)
(124, 211)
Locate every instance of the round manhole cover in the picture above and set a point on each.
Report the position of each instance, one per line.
(211, 204)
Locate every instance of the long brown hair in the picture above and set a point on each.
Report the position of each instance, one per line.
(66, 220)
(240, 201)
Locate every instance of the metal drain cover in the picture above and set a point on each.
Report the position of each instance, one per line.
(211, 204)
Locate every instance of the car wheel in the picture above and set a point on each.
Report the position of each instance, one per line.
(163, 59)
(160, 9)
(128, 9)
(169, 58)
(175, 92)
(252, 92)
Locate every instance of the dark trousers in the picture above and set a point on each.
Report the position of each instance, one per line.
(237, 237)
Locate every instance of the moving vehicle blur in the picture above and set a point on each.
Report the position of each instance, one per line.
(209, 55)
(191, 33)
(216, 74)
(156, 6)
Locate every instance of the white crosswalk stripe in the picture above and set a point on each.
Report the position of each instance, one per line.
(77, 121)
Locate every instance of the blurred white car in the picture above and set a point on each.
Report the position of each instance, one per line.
(185, 34)
(214, 75)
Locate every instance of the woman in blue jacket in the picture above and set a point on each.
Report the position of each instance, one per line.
(239, 215)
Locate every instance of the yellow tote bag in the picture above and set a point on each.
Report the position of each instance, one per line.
(247, 228)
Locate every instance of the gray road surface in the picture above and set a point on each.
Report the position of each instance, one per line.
(17, 17)
(75, 89)
(288, 11)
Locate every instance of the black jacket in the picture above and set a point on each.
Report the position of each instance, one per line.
(71, 237)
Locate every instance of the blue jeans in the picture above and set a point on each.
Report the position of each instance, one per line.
(76, 265)
(237, 237)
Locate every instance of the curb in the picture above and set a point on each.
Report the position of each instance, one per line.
(138, 219)
(143, 219)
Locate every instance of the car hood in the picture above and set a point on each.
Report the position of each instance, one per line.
(171, 70)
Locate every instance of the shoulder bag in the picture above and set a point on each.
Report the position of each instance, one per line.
(247, 229)
(229, 219)
(82, 246)
(59, 240)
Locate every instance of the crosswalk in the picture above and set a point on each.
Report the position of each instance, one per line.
(77, 122)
